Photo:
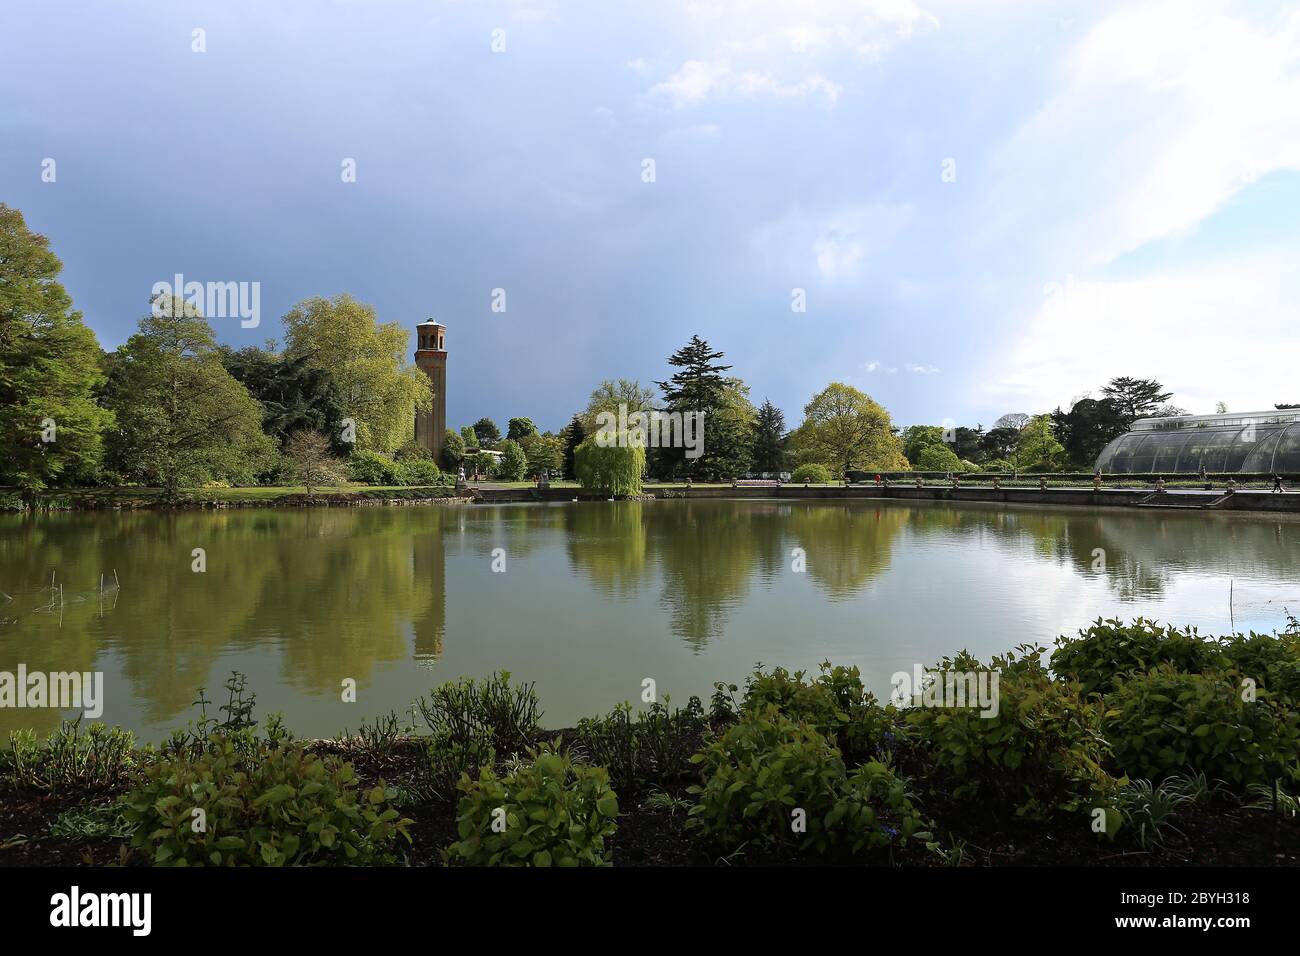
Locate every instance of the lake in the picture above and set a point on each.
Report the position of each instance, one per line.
(593, 598)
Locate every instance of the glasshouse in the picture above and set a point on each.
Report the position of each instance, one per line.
(1250, 442)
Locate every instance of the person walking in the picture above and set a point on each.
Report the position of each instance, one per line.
(1277, 485)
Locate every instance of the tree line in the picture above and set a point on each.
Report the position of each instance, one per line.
(173, 409)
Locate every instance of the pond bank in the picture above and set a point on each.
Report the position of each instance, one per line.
(1253, 501)
(128, 499)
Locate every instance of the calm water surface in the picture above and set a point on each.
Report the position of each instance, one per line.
(595, 597)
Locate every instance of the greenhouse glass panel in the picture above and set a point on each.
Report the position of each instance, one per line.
(1257, 442)
(1238, 451)
(1261, 456)
(1287, 455)
(1214, 457)
(1170, 446)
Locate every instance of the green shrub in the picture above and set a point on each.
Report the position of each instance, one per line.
(372, 468)
(835, 703)
(1109, 650)
(1166, 721)
(419, 471)
(449, 758)
(69, 760)
(1043, 751)
(1273, 660)
(549, 812)
(652, 749)
(465, 710)
(938, 458)
(768, 767)
(811, 475)
(276, 807)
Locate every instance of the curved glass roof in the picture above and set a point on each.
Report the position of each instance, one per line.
(1257, 442)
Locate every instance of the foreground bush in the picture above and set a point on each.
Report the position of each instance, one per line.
(1042, 752)
(1166, 721)
(449, 757)
(1272, 660)
(811, 475)
(69, 759)
(273, 806)
(464, 711)
(835, 703)
(652, 749)
(549, 812)
(781, 787)
(1110, 650)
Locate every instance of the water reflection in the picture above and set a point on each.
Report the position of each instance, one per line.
(302, 599)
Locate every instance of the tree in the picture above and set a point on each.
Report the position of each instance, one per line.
(453, 451)
(698, 382)
(728, 435)
(610, 469)
(1136, 397)
(311, 462)
(847, 430)
(1038, 449)
(1000, 442)
(545, 453)
(610, 394)
(295, 395)
(520, 428)
(573, 436)
(699, 387)
(968, 443)
(769, 439)
(470, 438)
(377, 388)
(487, 433)
(514, 462)
(50, 424)
(1016, 420)
(1087, 428)
(182, 419)
(917, 438)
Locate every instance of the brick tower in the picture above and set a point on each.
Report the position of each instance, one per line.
(431, 356)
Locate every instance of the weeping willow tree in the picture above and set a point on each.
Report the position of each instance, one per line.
(614, 468)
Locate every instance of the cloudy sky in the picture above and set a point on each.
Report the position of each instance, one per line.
(989, 207)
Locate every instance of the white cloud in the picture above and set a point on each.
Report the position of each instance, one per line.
(862, 27)
(921, 369)
(877, 366)
(773, 48)
(1217, 332)
(1164, 111)
(697, 80)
